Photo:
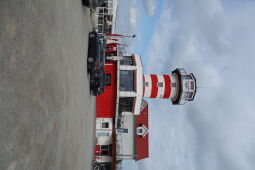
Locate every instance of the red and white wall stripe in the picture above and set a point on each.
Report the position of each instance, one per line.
(159, 86)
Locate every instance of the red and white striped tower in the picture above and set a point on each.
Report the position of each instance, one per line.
(178, 86)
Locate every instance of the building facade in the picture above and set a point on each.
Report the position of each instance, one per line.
(122, 127)
(107, 13)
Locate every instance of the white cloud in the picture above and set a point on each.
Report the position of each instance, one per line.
(127, 22)
(133, 13)
(150, 6)
(133, 1)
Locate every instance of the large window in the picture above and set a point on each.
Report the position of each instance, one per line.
(127, 60)
(126, 104)
(127, 80)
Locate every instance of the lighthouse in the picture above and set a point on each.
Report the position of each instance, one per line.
(177, 86)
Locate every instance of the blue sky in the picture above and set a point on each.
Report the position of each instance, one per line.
(215, 40)
(143, 26)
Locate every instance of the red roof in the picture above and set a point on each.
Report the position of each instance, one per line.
(142, 143)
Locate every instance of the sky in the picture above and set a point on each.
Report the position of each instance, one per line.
(215, 40)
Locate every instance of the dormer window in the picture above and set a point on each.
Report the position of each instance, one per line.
(142, 131)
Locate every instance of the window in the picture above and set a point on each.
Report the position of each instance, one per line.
(102, 133)
(187, 77)
(141, 130)
(160, 84)
(190, 95)
(100, 29)
(126, 104)
(101, 11)
(173, 84)
(104, 147)
(186, 94)
(192, 85)
(104, 150)
(127, 60)
(127, 80)
(187, 85)
(145, 84)
(122, 130)
(108, 79)
(105, 125)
